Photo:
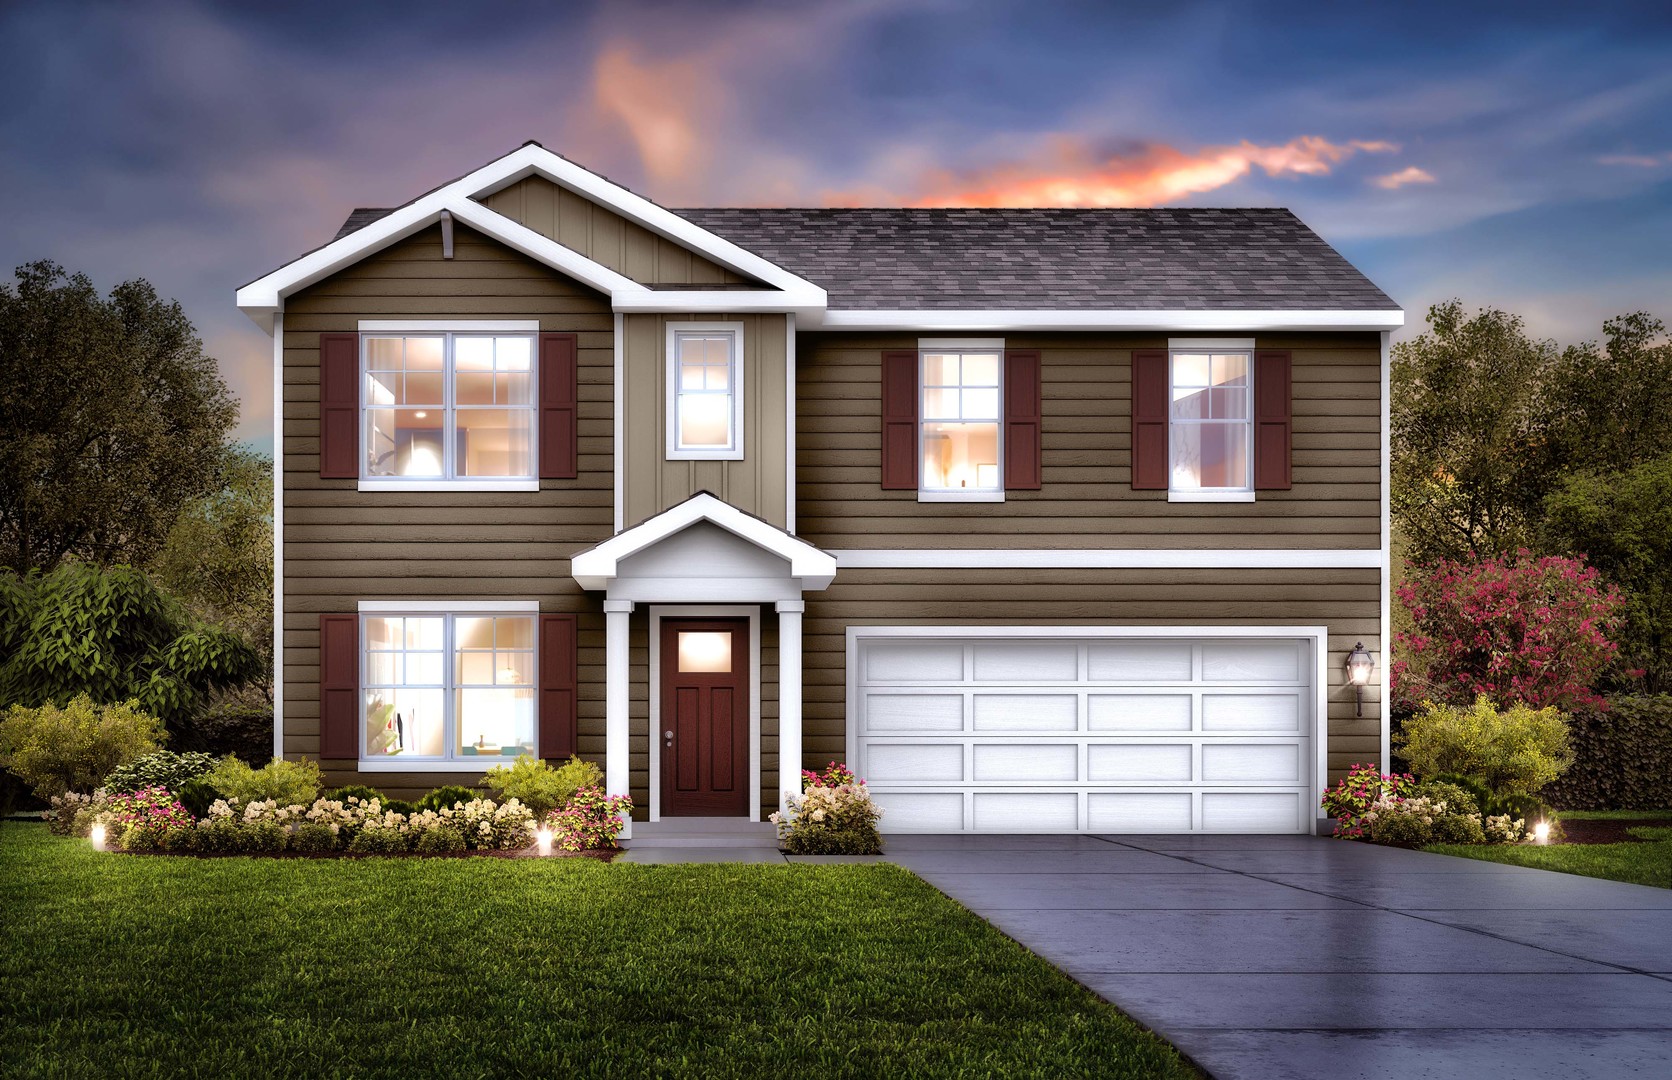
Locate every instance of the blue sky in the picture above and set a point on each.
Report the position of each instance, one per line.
(1514, 155)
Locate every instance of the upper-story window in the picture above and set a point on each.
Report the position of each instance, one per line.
(1210, 430)
(961, 428)
(443, 406)
(705, 391)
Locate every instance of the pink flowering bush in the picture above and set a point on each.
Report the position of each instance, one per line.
(590, 821)
(141, 819)
(1350, 801)
(1516, 628)
(833, 815)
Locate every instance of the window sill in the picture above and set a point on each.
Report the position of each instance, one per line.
(1210, 496)
(463, 765)
(960, 496)
(705, 455)
(449, 485)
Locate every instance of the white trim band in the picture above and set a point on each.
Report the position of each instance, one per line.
(1113, 559)
(503, 607)
(1182, 321)
(463, 326)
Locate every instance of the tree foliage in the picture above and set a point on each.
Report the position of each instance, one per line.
(73, 748)
(114, 635)
(111, 419)
(1511, 751)
(1605, 410)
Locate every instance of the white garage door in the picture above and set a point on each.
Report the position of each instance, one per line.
(1086, 733)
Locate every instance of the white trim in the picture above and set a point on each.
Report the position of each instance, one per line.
(716, 300)
(1230, 344)
(278, 535)
(791, 697)
(463, 326)
(1210, 496)
(953, 344)
(447, 485)
(1182, 321)
(934, 495)
(618, 637)
(1385, 636)
(672, 451)
(657, 613)
(429, 765)
(617, 444)
(448, 607)
(595, 568)
(789, 425)
(1107, 559)
(1317, 635)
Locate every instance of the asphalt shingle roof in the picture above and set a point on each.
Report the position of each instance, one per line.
(1120, 259)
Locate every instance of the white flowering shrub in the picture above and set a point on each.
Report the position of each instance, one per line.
(1503, 829)
(1418, 819)
(833, 815)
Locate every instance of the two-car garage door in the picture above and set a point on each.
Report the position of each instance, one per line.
(1034, 730)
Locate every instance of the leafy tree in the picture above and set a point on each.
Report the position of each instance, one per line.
(1622, 522)
(1515, 629)
(1465, 398)
(74, 748)
(111, 419)
(113, 635)
(1605, 410)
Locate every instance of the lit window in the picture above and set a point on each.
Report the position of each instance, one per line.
(704, 394)
(449, 406)
(1210, 429)
(443, 686)
(960, 429)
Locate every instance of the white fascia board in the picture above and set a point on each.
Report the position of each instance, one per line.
(506, 607)
(1113, 559)
(795, 303)
(596, 567)
(1033, 630)
(973, 319)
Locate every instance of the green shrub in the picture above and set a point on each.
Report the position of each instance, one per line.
(265, 838)
(1514, 751)
(399, 806)
(198, 795)
(82, 824)
(445, 798)
(289, 783)
(219, 836)
(1459, 798)
(356, 791)
(540, 787)
(179, 840)
(162, 768)
(379, 841)
(832, 842)
(1622, 758)
(74, 748)
(1417, 821)
(313, 838)
(442, 841)
(61, 815)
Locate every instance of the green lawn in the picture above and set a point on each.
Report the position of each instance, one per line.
(1642, 864)
(133, 966)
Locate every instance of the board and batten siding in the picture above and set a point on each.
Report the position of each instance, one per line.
(1345, 601)
(651, 483)
(342, 546)
(606, 237)
(1086, 499)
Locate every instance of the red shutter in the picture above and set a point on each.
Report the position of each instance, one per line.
(559, 677)
(339, 406)
(899, 420)
(1150, 382)
(1021, 419)
(559, 392)
(1273, 419)
(339, 687)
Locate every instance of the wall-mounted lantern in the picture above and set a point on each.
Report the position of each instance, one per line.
(1360, 666)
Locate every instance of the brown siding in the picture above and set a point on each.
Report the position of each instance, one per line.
(606, 237)
(650, 482)
(1087, 498)
(1346, 601)
(342, 546)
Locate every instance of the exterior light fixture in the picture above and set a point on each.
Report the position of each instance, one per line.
(98, 837)
(1360, 665)
(543, 839)
(1541, 833)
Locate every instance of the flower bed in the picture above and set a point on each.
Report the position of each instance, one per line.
(1397, 809)
(833, 815)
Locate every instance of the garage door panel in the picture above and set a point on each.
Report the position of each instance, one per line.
(1011, 762)
(1026, 661)
(1139, 661)
(1013, 811)
(1252, 712)
(1138, 811)
(1139, 762)
(914, 661)
(1263, 763)
(915, 762)
(937, 811)
(1248, 811)
(1277, 660)
(1138, 712)
(900, 713)
(999, 713)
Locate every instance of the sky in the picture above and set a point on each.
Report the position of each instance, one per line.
(1512, 155)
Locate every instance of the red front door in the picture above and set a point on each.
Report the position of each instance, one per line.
(705, 717)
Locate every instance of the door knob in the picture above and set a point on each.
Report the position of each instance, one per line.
(667, 736)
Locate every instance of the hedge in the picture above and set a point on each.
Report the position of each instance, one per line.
(1622, 757)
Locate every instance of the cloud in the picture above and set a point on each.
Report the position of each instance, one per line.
(1410, 174)
(1642, 161)
(1069, 171)
(665, 105)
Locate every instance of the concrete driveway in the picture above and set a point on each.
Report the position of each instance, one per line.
(1268, 956)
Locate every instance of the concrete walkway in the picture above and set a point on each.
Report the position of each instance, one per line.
(1299, 957)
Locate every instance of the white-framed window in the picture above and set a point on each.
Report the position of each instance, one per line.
(448, 406)
(1210, 429)
(705, 392)
(447, 685)
(960, 428)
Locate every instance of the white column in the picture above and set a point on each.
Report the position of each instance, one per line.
(616, 698)
(789, 698)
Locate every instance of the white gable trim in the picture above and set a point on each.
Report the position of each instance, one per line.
(264, 297)
(597, 567)
(1181, 321)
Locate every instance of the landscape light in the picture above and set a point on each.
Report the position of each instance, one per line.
(543, 838)
(1360, 665)
(1541, 833)
(98, 837)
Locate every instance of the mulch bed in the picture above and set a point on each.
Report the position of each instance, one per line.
(1606, 831)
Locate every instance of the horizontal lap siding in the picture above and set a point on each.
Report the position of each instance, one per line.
(1345, 601)
(1087, 498)
(342, 546)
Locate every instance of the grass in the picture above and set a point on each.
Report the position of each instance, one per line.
(140, 966)
(1647, 863)
(1615, 815)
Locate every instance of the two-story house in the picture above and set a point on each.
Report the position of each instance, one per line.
(1044, 520)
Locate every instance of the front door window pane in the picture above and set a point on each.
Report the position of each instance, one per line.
(705, 651)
